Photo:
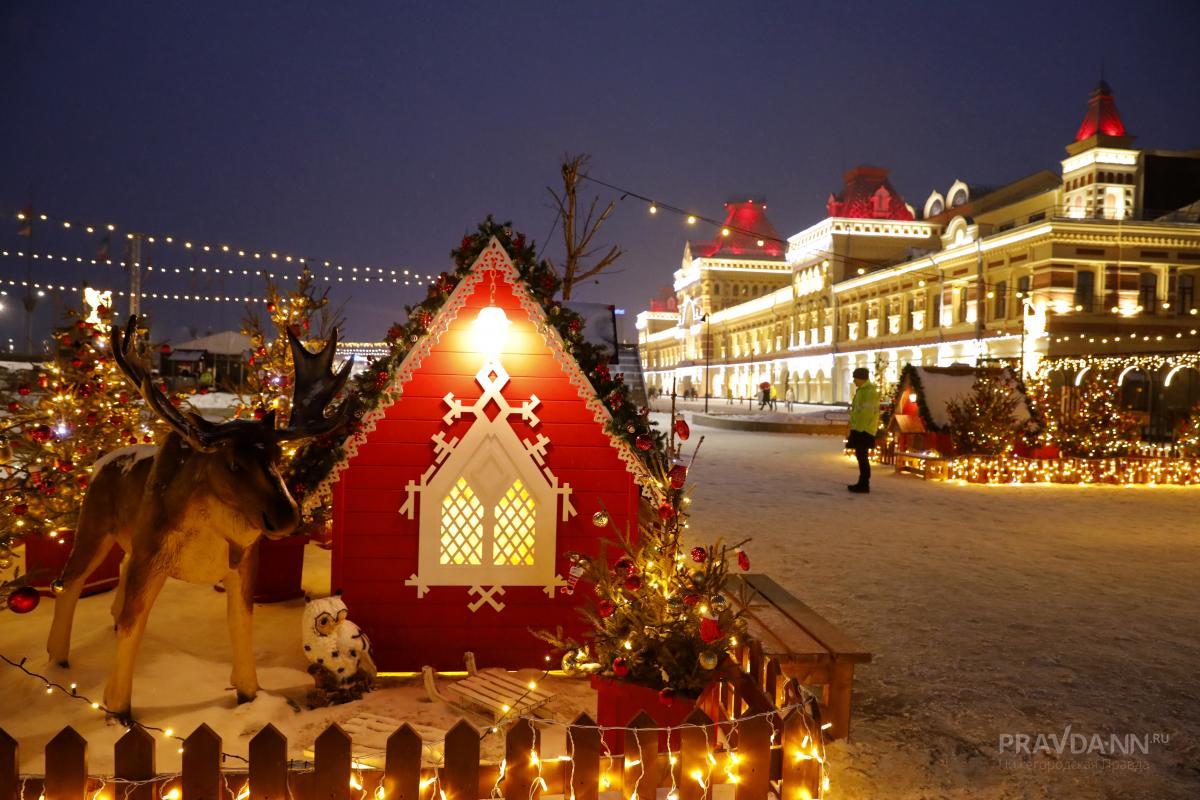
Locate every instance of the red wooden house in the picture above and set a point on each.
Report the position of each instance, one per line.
(462, 500)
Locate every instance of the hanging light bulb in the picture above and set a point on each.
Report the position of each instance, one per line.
(490, 330)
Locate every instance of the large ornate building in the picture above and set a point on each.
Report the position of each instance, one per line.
(1102, 258)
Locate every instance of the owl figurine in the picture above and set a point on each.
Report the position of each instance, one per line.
(338, 652)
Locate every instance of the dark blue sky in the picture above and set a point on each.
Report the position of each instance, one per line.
(380, 133)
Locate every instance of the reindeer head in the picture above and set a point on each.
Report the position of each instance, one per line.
(240, 458)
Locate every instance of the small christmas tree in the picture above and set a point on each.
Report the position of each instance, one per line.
(268, 382)
(1188, 438)
(1094, 425)
(65, 414)
(982, 423)
(661, 617)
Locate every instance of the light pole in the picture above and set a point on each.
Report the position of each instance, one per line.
(707, 358)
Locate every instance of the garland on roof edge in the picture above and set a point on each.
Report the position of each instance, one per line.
(630, 423)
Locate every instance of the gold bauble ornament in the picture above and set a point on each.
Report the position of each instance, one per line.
(708, 659)
(600, 519)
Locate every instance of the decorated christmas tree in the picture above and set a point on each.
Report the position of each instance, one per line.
(65, 414)
(306, 313)
(1187, 439)
(1091, 423)
(982, 423)
(661, 618)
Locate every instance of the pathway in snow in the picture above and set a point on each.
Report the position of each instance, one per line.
(990, 611)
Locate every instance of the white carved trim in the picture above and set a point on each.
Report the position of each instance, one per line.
(492, 257)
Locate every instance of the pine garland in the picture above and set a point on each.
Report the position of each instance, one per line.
(316, 460)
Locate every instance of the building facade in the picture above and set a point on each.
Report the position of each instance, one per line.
(1101, 258)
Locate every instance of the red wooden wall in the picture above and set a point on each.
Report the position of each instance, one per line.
(375, 547)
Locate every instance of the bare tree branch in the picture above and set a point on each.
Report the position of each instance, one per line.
(579, 248)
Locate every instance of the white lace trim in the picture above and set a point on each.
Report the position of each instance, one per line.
(493, 257)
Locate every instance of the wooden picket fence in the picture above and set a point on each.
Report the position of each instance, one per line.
(752, 762)
(759, 753)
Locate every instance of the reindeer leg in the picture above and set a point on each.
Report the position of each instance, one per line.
(239, 599)
(119, 592)
(144, 579)
(89, 551)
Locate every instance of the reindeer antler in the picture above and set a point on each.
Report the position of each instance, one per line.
(315, 386)
(199, 433)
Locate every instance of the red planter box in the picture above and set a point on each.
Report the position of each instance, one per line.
(618, 702)
(46, 557)
(280, 569)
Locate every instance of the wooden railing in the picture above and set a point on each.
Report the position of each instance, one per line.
(756, 752)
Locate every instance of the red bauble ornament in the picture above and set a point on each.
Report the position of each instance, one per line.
(271, 308)
(682, 430)
(14, 406)
(620, 667)
(667, 696)
(165, 349)
(20, 509)
(123, 398)
(615, 399)
(65, 466)
(259, 413)
(691, 599)
(643, 442)
(605, 608)
(677, 476)
(666, 512)
(22, 390)
(633, 583)
(710, 631)
(743, 560)
(699, 554)
(76, 363)
(82, 481)
(624, 565)
(24, 599)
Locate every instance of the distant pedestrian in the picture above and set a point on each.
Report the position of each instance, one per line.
(764, 395)
(774, 396)
(864, 422)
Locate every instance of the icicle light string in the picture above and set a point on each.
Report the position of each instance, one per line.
(863, 266)
(27, 217)
(393, 276)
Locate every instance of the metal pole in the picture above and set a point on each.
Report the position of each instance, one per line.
(135, 274)
(707, 360)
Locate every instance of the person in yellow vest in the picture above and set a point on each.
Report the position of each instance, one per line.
(864, 423)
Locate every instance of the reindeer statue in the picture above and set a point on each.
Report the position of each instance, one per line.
(192, 509)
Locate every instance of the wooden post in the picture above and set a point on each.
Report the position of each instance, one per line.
(402, 770)
(331, 769)
(800, 774)
(696, 739)
(268, 765)
(520, 772)
(640, 773)
(66, 766)
(754, 758)
(460, 776)
(583, 746)
(133, 760)
(10, 767)
(841, 687)
(202, 765)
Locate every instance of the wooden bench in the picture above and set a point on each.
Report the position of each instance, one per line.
(805, 645)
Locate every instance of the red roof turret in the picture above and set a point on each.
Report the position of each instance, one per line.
(750, 234)
(1101, 116)
(868, 195)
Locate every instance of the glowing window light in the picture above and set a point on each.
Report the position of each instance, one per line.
(515, 530)
(462, 526)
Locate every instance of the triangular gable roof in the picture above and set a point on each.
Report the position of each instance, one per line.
(493, 257)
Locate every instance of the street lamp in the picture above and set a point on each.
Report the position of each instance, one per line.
(707, 358)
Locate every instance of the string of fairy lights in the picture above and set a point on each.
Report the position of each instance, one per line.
(810, 747)
(398, 277)
(278, 255)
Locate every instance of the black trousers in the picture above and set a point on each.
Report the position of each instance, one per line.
(862, 442)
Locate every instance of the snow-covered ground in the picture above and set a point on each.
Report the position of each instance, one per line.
(992, 612)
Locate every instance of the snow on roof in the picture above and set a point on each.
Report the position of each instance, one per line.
(941, 385)
(225, 343)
